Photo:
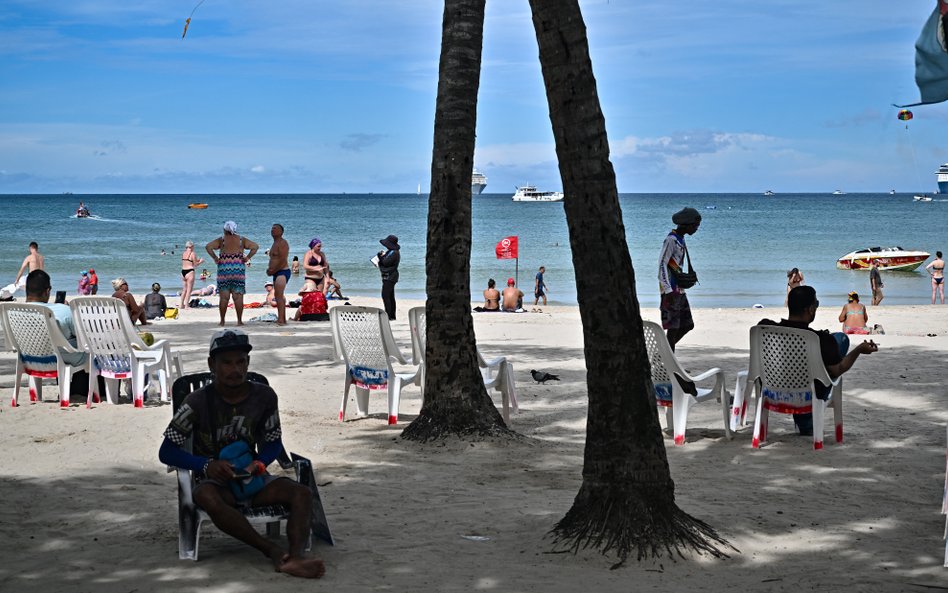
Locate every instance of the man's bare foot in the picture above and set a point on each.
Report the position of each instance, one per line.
(240, 323)
(309, 568)
(221, 324)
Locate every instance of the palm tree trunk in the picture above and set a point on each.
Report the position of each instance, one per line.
(456, 401)
(627, 499)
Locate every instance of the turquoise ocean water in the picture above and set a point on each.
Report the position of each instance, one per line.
(745, 245)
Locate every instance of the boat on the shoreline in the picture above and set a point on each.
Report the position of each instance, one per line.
(197, 206)
(529, 193)
(889, 258)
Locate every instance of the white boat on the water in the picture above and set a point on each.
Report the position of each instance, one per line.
(529, 193)
(891, 192)
(921, 198)
(943, 178)
(478, 182)
(769, 193)
(839, 192)
(889, 258)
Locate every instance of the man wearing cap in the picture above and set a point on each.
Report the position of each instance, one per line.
(388, 266)
(93, 282)
(676, 312)
(512, 297)
(232, 410)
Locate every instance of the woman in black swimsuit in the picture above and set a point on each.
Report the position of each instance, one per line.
(315, 266)
(937, 268)
(188, 262)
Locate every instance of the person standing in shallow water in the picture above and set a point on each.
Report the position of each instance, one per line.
(388, 267)
(676, 312)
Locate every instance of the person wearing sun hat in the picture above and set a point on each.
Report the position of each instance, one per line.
(234, 427)
(84, 283)
(388, 267)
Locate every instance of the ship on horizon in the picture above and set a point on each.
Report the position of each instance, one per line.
(943, 179)
(478, 183)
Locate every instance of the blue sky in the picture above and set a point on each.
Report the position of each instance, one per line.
(103, 96)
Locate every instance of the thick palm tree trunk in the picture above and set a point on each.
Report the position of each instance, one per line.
(456, 401)
(627, 499)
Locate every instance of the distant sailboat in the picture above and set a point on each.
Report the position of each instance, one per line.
(419, 189)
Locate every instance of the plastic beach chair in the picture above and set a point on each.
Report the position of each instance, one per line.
(32, 332)
(116, 351)
(498, 373)
(363, 338)
(667, 375)
(785, 364)
(191, 517)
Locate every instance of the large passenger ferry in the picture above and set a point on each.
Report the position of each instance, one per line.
(478, 182)
(943, 179)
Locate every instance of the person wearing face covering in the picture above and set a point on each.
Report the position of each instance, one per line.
(388, 267)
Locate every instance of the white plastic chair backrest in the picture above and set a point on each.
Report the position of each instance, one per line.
(102, 327)
(786, 360)
(34, 334)
(358, 334)
(418, 326)
(661, 359)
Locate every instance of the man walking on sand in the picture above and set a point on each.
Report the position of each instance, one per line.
(539, 288)
(875, 283)
(676, 312)
(279, 269)
(234, 415)
(33, 261)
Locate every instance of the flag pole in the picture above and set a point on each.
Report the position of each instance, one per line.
(517, 270)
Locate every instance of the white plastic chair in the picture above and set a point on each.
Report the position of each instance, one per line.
(785, 364)
(116, 351)
(363, 338)
(498, 373)
(667, 375)
(32, 332)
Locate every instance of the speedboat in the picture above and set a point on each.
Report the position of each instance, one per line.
(839, 192)
(891, 192)
(768, 193)
(197, 206)
(922, 198)
(529, 193)
(889, 258)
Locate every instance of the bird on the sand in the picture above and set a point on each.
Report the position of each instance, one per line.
(543, 377)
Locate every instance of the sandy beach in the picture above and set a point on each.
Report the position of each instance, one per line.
(88, 507)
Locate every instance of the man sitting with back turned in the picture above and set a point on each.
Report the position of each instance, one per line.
(221, 416)
(38, 289)
(802, 305)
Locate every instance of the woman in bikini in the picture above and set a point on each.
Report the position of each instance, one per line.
(189, 261)
(315, 265)
(854, 317)
(937, 270)
(491, 297)
(232, 267)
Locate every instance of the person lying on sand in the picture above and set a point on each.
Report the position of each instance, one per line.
(233, 412)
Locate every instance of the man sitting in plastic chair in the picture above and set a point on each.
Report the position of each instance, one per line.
(235, 429)
(834, 348)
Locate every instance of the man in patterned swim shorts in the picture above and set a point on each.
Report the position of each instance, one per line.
(232, 410)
